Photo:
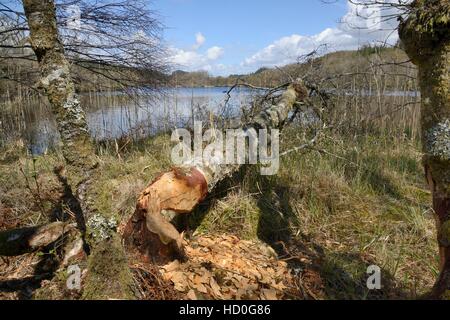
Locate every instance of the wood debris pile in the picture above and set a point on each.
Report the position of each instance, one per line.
(225, 267)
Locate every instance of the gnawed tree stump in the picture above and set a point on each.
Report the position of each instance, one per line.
(177, 191)
(181, 189)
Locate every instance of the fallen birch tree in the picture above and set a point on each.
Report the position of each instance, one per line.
(181, 189)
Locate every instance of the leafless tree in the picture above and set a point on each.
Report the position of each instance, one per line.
(118, 41)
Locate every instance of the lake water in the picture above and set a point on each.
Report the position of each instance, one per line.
(115, 115)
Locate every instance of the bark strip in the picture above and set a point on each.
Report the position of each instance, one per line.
(25, 240)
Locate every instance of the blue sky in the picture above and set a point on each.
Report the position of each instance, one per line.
(234, 36)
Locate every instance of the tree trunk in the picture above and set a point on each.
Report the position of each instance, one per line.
(180, 190)
(107, 267)
(426, 37)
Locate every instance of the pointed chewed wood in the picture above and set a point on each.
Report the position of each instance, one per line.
(179, 191)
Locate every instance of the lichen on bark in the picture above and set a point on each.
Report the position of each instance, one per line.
(438, 140)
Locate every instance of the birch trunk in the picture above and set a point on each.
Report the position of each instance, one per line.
(108, 273)
(426, 37)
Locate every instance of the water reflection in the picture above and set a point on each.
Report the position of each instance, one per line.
(114, 115)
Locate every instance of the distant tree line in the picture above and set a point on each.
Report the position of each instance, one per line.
(389, 65)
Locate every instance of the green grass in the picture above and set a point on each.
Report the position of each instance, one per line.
(361, 202)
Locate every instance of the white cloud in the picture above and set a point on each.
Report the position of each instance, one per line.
(214, 53)
(184, 58)
(193, 59)
(199, 40)
(361, 25)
